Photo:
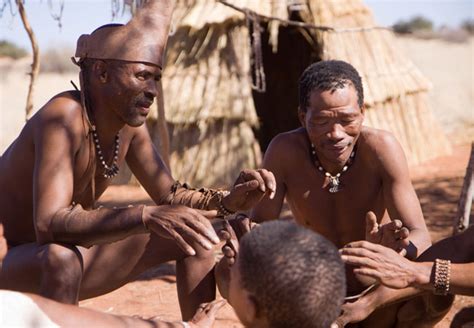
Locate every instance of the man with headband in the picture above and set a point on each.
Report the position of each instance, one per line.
(60, 244)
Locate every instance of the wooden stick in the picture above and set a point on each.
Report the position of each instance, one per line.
(162, 127)
(461, 222)
(285, 22)
(36, 57)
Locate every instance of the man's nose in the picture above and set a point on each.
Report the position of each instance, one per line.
(336, 132)
(151, 90)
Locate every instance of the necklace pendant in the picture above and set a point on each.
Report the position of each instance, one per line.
(333, 184)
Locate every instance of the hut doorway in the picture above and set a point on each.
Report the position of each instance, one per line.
(277, 108)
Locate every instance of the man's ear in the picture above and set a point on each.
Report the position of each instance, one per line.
(100, 70)
(302, 117)
(251, 315)
(362, 111)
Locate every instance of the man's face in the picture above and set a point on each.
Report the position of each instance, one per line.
(333, 120)
(132, 88)
(239, 297)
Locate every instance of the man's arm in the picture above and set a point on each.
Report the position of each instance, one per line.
(274, 161)
(66, 315)
(57, 139)
(400, 198)
(146, 163)
(396, 271)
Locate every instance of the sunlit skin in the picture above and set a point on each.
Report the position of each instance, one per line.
(51, 165)
(66, 315)
(376, 181)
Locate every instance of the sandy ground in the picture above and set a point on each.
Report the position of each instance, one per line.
(438, 182)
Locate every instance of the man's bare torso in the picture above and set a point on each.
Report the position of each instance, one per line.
(18, 162)
(340, 216)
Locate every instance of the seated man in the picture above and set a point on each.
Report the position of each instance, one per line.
(30, 310)
(282, 276)
(334, 170)
(65, 157)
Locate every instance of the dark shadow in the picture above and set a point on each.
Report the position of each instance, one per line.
(277, 108)
(464, 318)
(162, 271)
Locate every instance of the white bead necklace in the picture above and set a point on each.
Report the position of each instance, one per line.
(334, 183)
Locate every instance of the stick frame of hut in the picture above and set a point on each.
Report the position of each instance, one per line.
(218, 121)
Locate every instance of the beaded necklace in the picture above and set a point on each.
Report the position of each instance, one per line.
(109, 170)
(334, 183)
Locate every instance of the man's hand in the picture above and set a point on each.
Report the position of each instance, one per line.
(230, 251)
(183, 224)
(354, 312)
(392, 235)
(249, 189)
(206, 314)
(385, 265)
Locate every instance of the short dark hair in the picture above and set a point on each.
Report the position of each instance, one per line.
(295, 275)
(328, 75)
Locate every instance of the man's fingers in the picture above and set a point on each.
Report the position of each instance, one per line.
(182, 243)
(202, 226)
(208, 214)
(269, 180)
(403, 233)
(371, 225)
(368, 272)
(215, 306)
(393, 225)
(228, 251)
(358, 260)
(254, 177)
(403, 252)
(196, 237)
(364, 244)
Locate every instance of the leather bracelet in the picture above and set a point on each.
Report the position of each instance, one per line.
(442, 276)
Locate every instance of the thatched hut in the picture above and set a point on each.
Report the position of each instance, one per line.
(219, 55)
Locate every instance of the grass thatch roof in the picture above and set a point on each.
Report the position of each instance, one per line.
(207, 80)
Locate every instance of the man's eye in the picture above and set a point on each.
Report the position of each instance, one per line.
(158, 78)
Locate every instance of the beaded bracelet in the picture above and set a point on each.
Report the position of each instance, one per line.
(222, 211)
(442, 276)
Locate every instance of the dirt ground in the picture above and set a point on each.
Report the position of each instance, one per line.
(437, 183)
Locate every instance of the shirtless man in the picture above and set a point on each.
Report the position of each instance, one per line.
(333, 170)
(64, 159)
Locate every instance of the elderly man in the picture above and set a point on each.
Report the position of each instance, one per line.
(64, 159)
(333, 171)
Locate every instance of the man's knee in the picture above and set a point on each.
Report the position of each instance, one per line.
(62, 263)
(425, 310)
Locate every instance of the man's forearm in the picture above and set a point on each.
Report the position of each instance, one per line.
(86, 228)
(419, 242)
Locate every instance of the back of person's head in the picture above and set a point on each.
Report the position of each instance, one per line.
(328, 75)
(296, 276)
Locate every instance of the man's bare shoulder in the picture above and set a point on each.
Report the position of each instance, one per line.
(286, 145)
(377, 140)
(65, 109)
(380, 147)
(289, 141)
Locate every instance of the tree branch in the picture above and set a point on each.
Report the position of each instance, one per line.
(36, 57)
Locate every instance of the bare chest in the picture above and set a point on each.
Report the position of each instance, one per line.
(89, 179)
(339, 216)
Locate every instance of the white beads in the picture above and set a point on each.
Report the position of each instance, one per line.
(113, 169)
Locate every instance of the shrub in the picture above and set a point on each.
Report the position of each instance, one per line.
(415, 24)
(9, 49)
(468, 25)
